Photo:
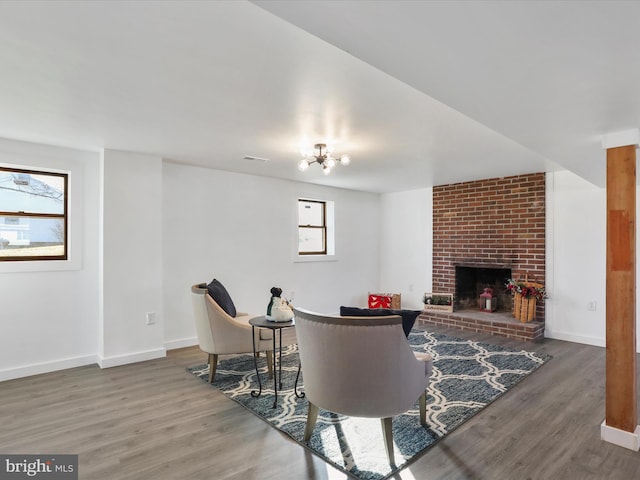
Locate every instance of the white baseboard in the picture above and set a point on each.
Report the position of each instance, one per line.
(37, 369)
(570, 337)
(181, 343)
(117, 360)
(103, 362)
(622, 438)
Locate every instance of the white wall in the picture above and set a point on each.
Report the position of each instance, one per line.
(131, 268)
(241, 229)
(143, 231)
(49, 310)
(576, 260)
(406, 245)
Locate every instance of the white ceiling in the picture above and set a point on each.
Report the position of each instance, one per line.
(419, 93)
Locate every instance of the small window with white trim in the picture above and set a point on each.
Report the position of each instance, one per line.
(312, 227)
(316, 230)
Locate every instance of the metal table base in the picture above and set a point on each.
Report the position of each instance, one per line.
(276, 329)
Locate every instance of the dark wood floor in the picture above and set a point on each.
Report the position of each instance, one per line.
(153, 420)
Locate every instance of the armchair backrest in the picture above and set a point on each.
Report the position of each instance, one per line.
(358, 366)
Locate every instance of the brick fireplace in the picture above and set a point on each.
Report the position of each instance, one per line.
(483, 233)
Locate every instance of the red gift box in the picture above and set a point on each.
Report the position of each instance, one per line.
(384, 300)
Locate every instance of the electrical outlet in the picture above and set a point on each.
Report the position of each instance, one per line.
(591, 306)
(151, 318)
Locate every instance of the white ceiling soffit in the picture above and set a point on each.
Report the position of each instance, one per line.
(209, 83)
(552, 76)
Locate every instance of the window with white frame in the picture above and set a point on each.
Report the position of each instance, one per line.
(312, 227)
(315, 229)
(33, 215)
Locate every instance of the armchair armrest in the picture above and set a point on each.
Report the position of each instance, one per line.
(427, 360)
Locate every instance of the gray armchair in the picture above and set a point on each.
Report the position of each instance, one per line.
(361, 367)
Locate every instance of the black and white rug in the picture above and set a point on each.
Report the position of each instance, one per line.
(467, 376)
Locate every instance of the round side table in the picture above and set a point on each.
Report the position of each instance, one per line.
(276, 329)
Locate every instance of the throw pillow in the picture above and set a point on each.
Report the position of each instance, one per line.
(221, 297)
(408, 316)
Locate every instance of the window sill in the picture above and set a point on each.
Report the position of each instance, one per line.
(314, 258)
(39, 266)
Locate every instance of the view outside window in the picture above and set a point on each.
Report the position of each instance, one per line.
(312, 227)
(33, 215)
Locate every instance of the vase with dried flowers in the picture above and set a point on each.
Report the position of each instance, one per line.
(525, 297)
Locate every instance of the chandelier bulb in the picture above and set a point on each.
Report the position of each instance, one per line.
(345, 159)
(326, 170)
(303, 165)
(330, 162)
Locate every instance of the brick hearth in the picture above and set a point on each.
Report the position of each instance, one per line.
(493, 223)
(494, 323)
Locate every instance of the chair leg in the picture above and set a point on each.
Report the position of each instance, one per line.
(423, 408)
(213, 364)
(387, 433)
(270, 354)
(312, 416)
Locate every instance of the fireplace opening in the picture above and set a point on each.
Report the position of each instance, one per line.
(471, 282)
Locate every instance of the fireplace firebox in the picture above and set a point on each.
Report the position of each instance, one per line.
(470, 282)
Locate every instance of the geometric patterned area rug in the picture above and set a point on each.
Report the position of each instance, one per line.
(467, 376)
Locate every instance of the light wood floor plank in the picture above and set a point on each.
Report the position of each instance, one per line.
(153, 420)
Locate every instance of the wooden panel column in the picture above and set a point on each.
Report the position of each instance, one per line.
(621, 388)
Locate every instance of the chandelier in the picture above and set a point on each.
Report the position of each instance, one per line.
(322, 155)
